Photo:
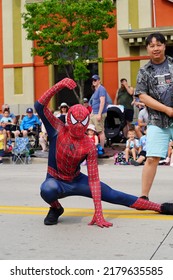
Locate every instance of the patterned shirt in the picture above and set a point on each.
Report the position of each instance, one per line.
(156, 80)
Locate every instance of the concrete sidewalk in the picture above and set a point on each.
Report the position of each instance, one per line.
(141, 235)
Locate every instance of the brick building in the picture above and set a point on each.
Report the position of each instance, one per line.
(24, 78)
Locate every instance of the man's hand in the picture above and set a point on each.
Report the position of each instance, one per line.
(99, 220)
(67, 82)
(99, 117)
(169, 112)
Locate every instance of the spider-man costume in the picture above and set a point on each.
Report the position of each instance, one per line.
(69, 146)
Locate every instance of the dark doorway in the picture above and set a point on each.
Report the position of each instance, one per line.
(68, 96)
(169, 50)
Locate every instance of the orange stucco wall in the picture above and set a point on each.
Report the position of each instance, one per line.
(41, 77)
(164, 15)
(110, 65)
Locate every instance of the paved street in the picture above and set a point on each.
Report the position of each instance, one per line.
(134, 235)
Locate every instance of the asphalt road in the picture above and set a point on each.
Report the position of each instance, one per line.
(135, 235)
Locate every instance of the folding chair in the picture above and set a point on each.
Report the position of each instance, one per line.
(20, 152)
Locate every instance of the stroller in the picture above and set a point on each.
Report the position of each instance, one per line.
(114, 124)
(21, 150)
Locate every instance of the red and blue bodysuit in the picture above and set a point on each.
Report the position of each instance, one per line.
(69, 146)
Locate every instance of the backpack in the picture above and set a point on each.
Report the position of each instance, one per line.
(119, 158)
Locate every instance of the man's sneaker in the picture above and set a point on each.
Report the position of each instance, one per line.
(53, 215)
(144, 197)
(167, 208)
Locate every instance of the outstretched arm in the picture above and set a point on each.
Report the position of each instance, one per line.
(94, 183)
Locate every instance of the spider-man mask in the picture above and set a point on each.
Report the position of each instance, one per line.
(77, 120)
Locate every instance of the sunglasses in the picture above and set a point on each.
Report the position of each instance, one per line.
(94, 80)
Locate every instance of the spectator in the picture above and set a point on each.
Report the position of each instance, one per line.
(154, 88)
(29, 123)
(92, 134)
(6, 106)
(132, 146)
(7, 122)
(12, 115)
(99, 108)
(86, 104)
(43, 139)
(142, 150)
(63, 112)
(2, 144)
(169, 158)
(124, 96)
(142, 122)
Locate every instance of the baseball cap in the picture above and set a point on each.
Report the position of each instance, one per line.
(85, 100)
(95, 77)
(29, 110)
(91, 126)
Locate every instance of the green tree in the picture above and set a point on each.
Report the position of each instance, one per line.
(67, 33)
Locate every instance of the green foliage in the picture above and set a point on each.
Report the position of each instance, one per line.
(67, 32)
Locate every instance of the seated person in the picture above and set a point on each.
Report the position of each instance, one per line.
(6, 106)
(29, 123)
(142, 150)
(7, 122)
(132, 146)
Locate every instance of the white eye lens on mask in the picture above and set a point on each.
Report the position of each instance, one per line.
(85, 121)
(73, 120)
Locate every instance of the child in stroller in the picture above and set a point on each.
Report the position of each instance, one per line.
(114, 124)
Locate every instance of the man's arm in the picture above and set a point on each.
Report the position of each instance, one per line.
(102, 104)
(129, 89)
(156, 105)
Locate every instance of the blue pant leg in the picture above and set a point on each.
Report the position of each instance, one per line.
(81, 187)
(53, 189)
(107, 193)
(116, 197)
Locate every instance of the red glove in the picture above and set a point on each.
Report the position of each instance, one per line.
(99, 220)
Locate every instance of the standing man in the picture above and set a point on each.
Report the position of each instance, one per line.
(99, 108)
(124, 96)
(155, 90)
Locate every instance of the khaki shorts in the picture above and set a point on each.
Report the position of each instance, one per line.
(99, 125)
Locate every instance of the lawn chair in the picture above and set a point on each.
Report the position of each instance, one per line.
(21, 150)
